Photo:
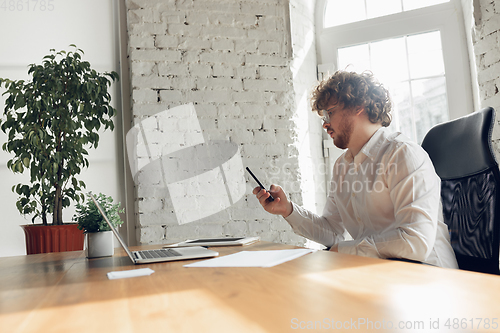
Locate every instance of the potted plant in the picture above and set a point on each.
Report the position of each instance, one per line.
(51, 120)
(98, 235)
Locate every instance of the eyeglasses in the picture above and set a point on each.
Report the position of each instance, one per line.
(327, 114)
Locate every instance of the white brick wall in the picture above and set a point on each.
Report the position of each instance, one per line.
(486, 46)
(232, 60)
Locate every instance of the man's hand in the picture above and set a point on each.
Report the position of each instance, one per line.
(280, 205)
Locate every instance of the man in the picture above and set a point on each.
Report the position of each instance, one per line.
(384, 190)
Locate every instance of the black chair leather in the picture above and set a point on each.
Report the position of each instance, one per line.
(463, 157)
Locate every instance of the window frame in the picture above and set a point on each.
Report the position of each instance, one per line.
(446, 18)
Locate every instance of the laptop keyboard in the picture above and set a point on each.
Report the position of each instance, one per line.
(160, 253)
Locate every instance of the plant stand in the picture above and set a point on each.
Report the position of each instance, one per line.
(99, 244)
(52, 238)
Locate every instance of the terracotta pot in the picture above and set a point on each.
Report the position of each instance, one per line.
(52, 238)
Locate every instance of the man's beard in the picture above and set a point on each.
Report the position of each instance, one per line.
(343, 136)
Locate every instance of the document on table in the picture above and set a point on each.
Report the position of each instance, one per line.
(130, 273)
(253, 258)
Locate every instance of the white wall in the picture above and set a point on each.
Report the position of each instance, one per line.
(309, 126)
(233, 60)
(482, 19)
(27, 36)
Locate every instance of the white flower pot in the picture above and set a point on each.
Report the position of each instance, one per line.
(99, 244)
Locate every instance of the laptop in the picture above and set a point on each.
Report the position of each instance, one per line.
(157, 255)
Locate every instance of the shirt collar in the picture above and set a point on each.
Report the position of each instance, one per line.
(371, 147)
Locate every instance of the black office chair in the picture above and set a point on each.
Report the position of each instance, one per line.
(470, 187)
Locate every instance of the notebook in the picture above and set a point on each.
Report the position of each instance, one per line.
(157, 255)
(224, 241)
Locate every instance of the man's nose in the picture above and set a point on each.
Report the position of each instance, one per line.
(326, 124)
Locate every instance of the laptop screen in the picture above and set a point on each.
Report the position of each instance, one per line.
(115, 232)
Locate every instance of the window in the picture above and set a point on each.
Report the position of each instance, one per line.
(415, 48)
(339, 12)
(414, 75)
(418, 53)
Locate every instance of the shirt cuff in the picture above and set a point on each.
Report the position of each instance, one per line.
(347, 247)
(295, 217)
(360, 248)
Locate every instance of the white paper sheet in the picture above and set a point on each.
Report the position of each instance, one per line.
(130, 273)
(253, 258)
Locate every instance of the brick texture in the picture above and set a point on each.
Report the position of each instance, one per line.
(486, 46)
(233, 60)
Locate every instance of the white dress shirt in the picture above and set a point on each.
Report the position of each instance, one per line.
(387, 198)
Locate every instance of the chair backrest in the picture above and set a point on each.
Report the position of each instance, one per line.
(463, 157)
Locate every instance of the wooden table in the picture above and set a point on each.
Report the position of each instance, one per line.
(65, 292)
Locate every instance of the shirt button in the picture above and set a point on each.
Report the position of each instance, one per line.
(353, 195)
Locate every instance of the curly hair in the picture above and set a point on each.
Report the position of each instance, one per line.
(354, 90)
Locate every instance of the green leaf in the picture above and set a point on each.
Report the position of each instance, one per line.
(19, 167)
(52, 118)
(20, 102)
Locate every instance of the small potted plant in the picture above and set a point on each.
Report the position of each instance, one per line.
(98, 235)
(51, 120)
